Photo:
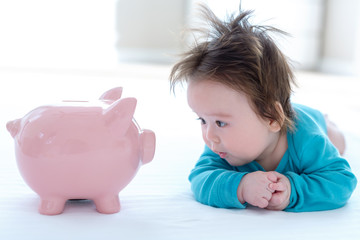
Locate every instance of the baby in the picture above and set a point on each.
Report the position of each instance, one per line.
(261, 149)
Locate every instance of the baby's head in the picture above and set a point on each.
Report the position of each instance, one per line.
(244, 58)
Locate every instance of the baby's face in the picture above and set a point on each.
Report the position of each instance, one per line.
(230, 127)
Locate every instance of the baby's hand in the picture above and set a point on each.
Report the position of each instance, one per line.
(254, 188)
(281, 196)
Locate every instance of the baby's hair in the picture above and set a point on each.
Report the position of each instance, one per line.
(245, 58)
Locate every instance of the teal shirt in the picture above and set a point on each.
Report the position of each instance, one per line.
(320, 178)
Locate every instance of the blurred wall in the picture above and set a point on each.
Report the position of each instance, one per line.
(149, 30)
(57, 33)
(97, 33)
(341, 47)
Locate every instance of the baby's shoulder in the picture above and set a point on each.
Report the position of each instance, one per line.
(309, 120)
(310, 126)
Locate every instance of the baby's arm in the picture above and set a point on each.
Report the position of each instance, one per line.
(214, 181)
(324, 179)
(281, 196)
(254, 188)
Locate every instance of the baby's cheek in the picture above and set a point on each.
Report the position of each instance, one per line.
(204, 138)
(246, 144)
(207, 142)
(246, 150)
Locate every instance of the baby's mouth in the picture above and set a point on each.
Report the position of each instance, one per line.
(222, 154)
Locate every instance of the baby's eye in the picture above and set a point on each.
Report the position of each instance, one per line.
(220, 124)
(201, 120)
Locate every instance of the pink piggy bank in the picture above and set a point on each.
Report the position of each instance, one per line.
(79, 150)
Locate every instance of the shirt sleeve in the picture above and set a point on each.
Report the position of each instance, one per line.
(324, 179)
(214, 182)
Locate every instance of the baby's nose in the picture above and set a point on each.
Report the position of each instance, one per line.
(211, 136)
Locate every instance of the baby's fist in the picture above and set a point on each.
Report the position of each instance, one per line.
(254, 188)
(281, 196)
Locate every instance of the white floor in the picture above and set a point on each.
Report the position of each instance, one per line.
(158, 203)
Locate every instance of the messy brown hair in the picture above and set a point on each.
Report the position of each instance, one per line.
(245, 58)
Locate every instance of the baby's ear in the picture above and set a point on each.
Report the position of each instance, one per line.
(276, 125)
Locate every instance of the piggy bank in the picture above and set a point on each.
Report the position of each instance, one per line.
(81, 150)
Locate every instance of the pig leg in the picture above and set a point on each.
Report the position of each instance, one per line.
(108, 204)
(52, 206)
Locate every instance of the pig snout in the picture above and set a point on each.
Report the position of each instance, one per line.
(148, 145)
(13, 127)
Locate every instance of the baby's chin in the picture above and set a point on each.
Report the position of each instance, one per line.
(236, 162)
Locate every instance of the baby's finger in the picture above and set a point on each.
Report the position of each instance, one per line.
(278, 202)
(272, 177)
(277, 199)
(270, 189)
(262, 203)
(268, 195)
(279, 186)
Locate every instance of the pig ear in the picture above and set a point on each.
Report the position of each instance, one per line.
(112, 94)
(119, 115)
(13, 127)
